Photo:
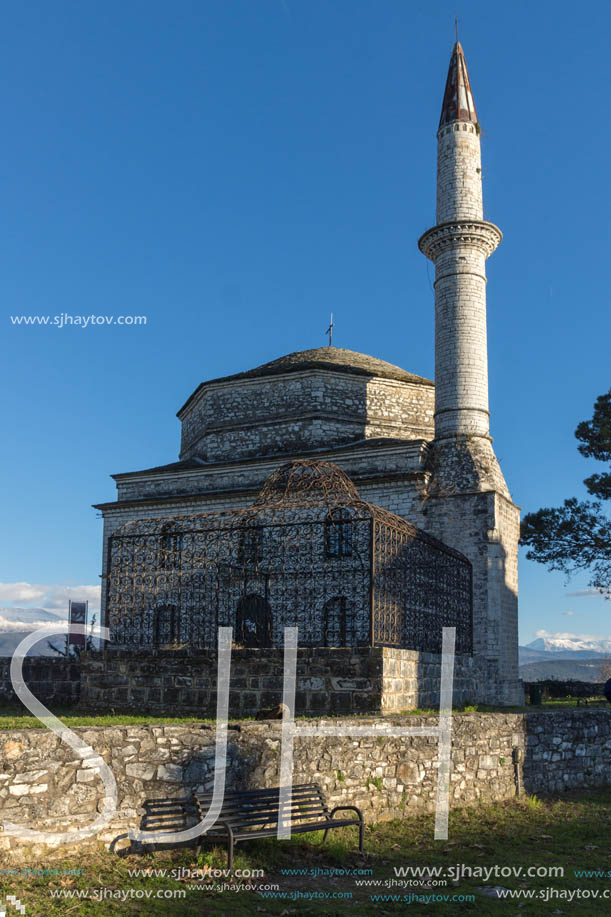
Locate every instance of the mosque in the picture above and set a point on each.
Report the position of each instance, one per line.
(334, 491)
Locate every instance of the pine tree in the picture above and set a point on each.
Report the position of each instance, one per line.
(577, 535)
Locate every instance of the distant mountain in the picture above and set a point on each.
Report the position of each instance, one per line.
(17, 623)
(528, 655)
(9, 643)
(563, 669)
(567, 644)
(13, 615)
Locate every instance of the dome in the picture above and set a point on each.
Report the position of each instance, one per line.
(335, 359)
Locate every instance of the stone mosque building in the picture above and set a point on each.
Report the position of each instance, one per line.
(335, 491)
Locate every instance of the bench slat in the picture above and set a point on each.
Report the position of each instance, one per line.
(252, 809)
(262, 815)
(273, 831)
(236, 824)
(293, 817)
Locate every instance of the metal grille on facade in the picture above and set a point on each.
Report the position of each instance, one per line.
(308, 553)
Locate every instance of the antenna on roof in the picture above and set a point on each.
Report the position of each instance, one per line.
(329, 331)
(456, 27)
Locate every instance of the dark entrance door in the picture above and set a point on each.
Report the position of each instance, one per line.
(254, 621)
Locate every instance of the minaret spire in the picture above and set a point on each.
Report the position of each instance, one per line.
(458, 102)
(459, 245)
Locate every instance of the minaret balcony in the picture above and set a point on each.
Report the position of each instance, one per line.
(475, 233)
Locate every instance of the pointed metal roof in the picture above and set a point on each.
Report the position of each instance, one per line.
(458, 102)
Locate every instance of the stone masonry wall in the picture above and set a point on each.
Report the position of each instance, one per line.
(44, 784)
(337, 681)
(459, 173)
(243, 480)
(461, 354)
(280, 415)
(486, 526)
(50, 679)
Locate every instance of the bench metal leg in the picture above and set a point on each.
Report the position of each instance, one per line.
(361, 835)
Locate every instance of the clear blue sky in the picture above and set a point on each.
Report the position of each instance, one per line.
(235, 171)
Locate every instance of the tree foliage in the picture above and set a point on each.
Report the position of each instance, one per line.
(604, 673)
(577, 535)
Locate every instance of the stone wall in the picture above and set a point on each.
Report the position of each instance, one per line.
(44, 785)
(459, 154)
(338, 681)
(51, 679)
(313, 408)
(469, 507)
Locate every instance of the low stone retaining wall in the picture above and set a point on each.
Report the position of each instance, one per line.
(336, 681)
(51, 679)
(44, 785)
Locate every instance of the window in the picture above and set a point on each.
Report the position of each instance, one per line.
(166, 625)
(170, 547)
(253, 621)
(249, 550)
(338, 534)
(338, 626)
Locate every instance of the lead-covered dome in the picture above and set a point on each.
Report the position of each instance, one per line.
(332, 358)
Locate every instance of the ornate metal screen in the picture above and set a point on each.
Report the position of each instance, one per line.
(308, 553)
(158, 595)
(419, 587)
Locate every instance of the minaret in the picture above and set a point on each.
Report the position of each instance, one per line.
(467, 503)
(459, 245)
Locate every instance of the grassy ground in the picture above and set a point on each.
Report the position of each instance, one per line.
(15, 716)
(572, 832)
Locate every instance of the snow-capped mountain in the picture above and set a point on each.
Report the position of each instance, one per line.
(17, 623)
(569, 644)
(11, 617)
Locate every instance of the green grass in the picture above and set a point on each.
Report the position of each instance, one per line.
(14, 716)
(572, 831)
(547, 705)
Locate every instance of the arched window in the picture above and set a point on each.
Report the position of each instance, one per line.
(338, 625)
(253, 621)
(249, 549)
(166, 625)
(170, 547)
(338, 534)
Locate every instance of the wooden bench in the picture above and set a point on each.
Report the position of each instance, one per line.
(252, 814)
